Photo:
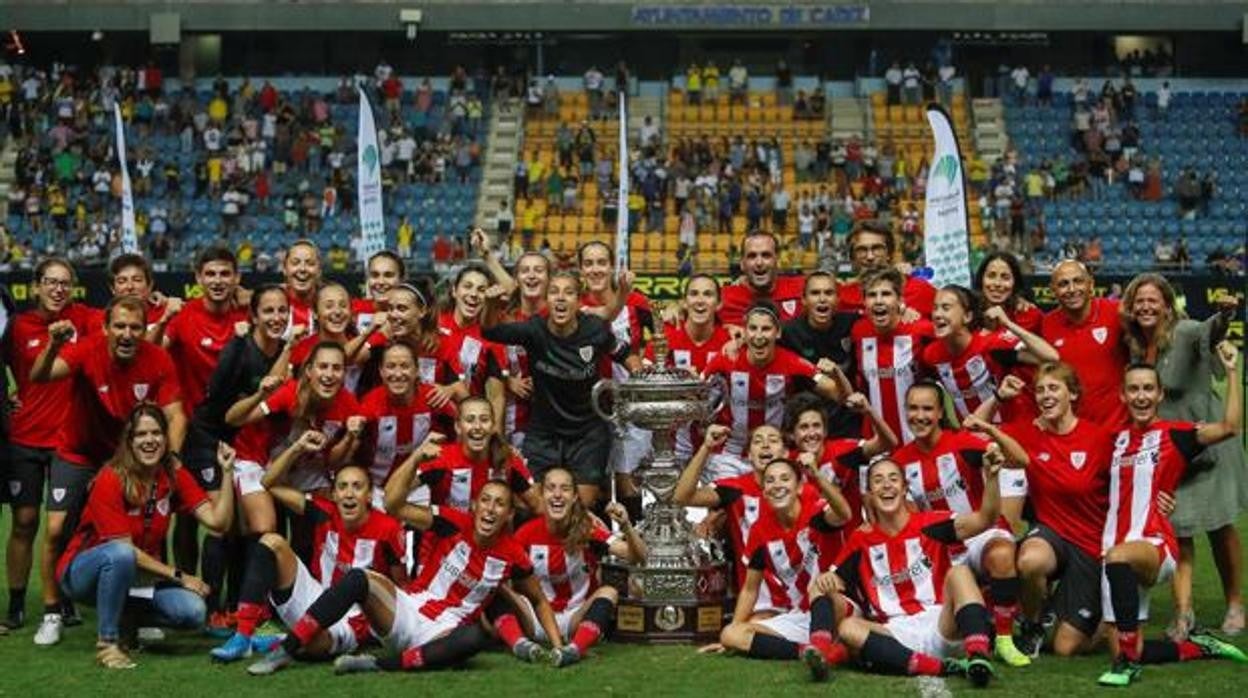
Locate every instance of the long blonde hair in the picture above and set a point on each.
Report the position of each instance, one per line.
(127, 466)
(1133, 334)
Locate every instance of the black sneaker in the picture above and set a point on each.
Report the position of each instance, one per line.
(979, 671)
(1030, 638)
(69, 614)
(13, 622)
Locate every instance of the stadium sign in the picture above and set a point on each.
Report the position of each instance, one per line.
(747, 16)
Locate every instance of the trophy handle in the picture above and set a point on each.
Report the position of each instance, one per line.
(595, 399)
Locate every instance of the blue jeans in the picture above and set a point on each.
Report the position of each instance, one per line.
(103, 576)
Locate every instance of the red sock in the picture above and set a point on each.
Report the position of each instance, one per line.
(249, 616)
(411, 658)
(1003, 619)
(587, 633)
(1129, 645)
(924, 665)
(509, 631)
(305, 629)
(975, 645)
(1189, 650)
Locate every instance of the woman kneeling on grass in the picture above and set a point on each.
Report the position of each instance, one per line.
(566, 545)
(922, 610)
(114, 557)
(1151, 457)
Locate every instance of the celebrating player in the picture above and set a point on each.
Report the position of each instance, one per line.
(566, 544)
(564, 429)
(110, 373)
(39, 412)
(760, 283)
(784, 552)
(872, 248)
(1150, 457)
(822, 331)
(1088, 335)
(301, 274)
(999, 279)
(115, 558)
(385, 270)
(887, 349)
(349, 534)
(944, 472)
(922, 609)
(970, 363)
(432, 623)
(755, 384)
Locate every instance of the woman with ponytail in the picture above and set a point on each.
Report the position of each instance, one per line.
(566, 544)
(971, 362)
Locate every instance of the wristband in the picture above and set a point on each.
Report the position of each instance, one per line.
(177, 575)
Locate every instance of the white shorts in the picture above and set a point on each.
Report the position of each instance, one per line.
(722, 465)
(418, 496)
(793, 626)
(412, 628)
(973, 554)
(921, 633)
(1164, 574)
(247, 477)
(302, 594)
(1012, 482)
(562, 618)
(628, 447)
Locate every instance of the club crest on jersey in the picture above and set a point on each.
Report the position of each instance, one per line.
(1100, 334)
(140, 391)
(15, 487)
(58, 494)
(976, 367)
(587, 353)
(205, 342)
(1151, 440)
(1078, 458)
(789, 306)
(163, 506)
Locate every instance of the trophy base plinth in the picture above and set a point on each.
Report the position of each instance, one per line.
(654, 608)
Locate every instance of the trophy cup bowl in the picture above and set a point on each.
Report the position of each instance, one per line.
(678, 594)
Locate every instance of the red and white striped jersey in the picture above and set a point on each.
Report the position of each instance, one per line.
(461, 577)
(844, 464)
(464, 348)
(567, 577)
(947, 478)
(899, 575)
(395, 429)
(887, 366)
(378, 544)
(363, 310)
(1146, 462)
(515, 361)
(789, 557)
(454, 479)
(756, 395)
(972, 376)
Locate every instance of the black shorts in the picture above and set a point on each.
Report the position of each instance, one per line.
(585, 454)
(1077, 598)
(67, 485)
(25, 475)
(199, 457)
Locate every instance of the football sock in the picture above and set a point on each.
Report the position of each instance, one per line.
(592, 625)
(1124, 597)
(771, 647)
(975, 625)
(1004, 593)
(330, 607)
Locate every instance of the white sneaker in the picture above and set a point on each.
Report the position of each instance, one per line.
(49, 632)
(151, 635)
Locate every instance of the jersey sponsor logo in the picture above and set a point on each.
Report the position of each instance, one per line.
(1078, 458)
(140, 391)
(586, 353)
(1100, 334)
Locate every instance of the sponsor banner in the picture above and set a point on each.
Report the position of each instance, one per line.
(946, 228)
(129, 236)
(368, 169)
(621, 218)
(746, 15)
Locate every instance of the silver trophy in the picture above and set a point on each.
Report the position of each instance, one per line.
(678, 595)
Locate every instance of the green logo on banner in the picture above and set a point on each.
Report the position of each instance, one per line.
(947, 168)
(370, 158)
